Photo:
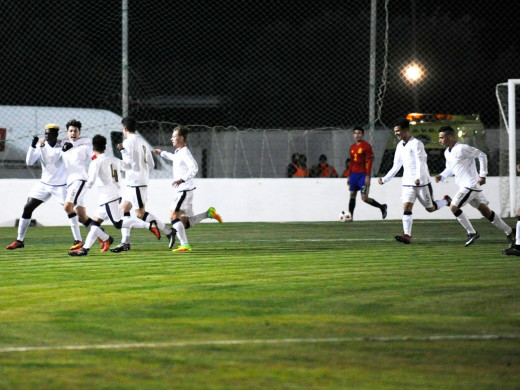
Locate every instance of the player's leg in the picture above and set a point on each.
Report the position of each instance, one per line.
(209, 213)
(514, 250)
(24, 222)
(126, 206)
(141, 196)
(492, 217)
(74, 190)
(425, 196)
(181, 207)
(409, 196)
(94, 233)
(372, 202)
(460, 199)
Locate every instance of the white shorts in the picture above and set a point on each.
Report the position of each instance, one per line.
(424, 193)
(110, 210)
(44, 192)
(137, 196)
(466, 196)
(76, 193)
(183, 200)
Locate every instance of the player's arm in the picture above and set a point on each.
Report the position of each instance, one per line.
(149, 159)
(93, 170)
(420, 161)
(471, 152)
(32, 152)
(193, 168)
(369, 160)
(167, 155)
(398, 164)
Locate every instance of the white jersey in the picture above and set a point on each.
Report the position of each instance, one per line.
(76, 159)
(53, 169)
(412, 157)
(105, 172)
(137, 160)
(184, 167)
(460, 161)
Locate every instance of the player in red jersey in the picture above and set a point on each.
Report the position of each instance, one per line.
(358, 173)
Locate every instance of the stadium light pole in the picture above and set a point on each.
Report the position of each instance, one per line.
(124, 58)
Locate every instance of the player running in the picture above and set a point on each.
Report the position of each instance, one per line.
(137, 163)
(411, 156)
(460, 161)
(359, 171)
(53, 179)
(184, 170)
(105, 172)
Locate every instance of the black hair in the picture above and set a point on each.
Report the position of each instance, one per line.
(99, 143)
(403, 123)
(73, 122)
(360, 129)
(322, 158)
(130, 123)
(448, 130)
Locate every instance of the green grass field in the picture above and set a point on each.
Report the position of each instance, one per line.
(263, 306)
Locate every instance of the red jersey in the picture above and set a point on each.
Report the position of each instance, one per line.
(361, 158)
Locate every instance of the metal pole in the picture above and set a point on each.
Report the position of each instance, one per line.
(372, 77)
(512, 144)
(124, 55)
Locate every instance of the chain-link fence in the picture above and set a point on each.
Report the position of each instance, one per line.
(276, 69)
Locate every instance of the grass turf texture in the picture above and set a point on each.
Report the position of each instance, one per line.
(264, 281)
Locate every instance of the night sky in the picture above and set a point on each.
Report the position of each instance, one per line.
(256, 64)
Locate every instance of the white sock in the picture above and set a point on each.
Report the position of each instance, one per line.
(23, 225)
(407, 224)
(466, 224)
(197, 218)
(131, 223)
(517, 242)
(74, 226)
(93, 233)
(125, 234)
(181, 232)
(441, 203)
(165, 229)
(497, 221)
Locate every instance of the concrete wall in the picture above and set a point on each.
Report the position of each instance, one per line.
(253, 200)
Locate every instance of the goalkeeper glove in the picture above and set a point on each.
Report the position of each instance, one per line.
(66, 146)
(34, 141)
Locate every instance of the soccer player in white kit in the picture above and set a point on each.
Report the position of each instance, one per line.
(53, 180)
(137, 164)
(184, 170)
(76, 155)
(105, 172)
(460, 161)
(411, 156)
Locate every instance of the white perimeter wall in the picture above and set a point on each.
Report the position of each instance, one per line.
(253, 200)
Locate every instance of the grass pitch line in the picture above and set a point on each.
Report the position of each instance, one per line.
(488, 337)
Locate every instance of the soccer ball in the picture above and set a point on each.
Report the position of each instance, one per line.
(345, 217)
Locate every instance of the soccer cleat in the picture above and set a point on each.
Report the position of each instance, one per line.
(472, 237)
(79, 252)
(513, 251)
(107, 243)
(384, 210)
(183, 248)
(405, 239)
(77, 245)
(122, 247)
(447, 199)
(15, 245)
(511, 237)
(212, 213)
(155, 230)
(171, 239)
